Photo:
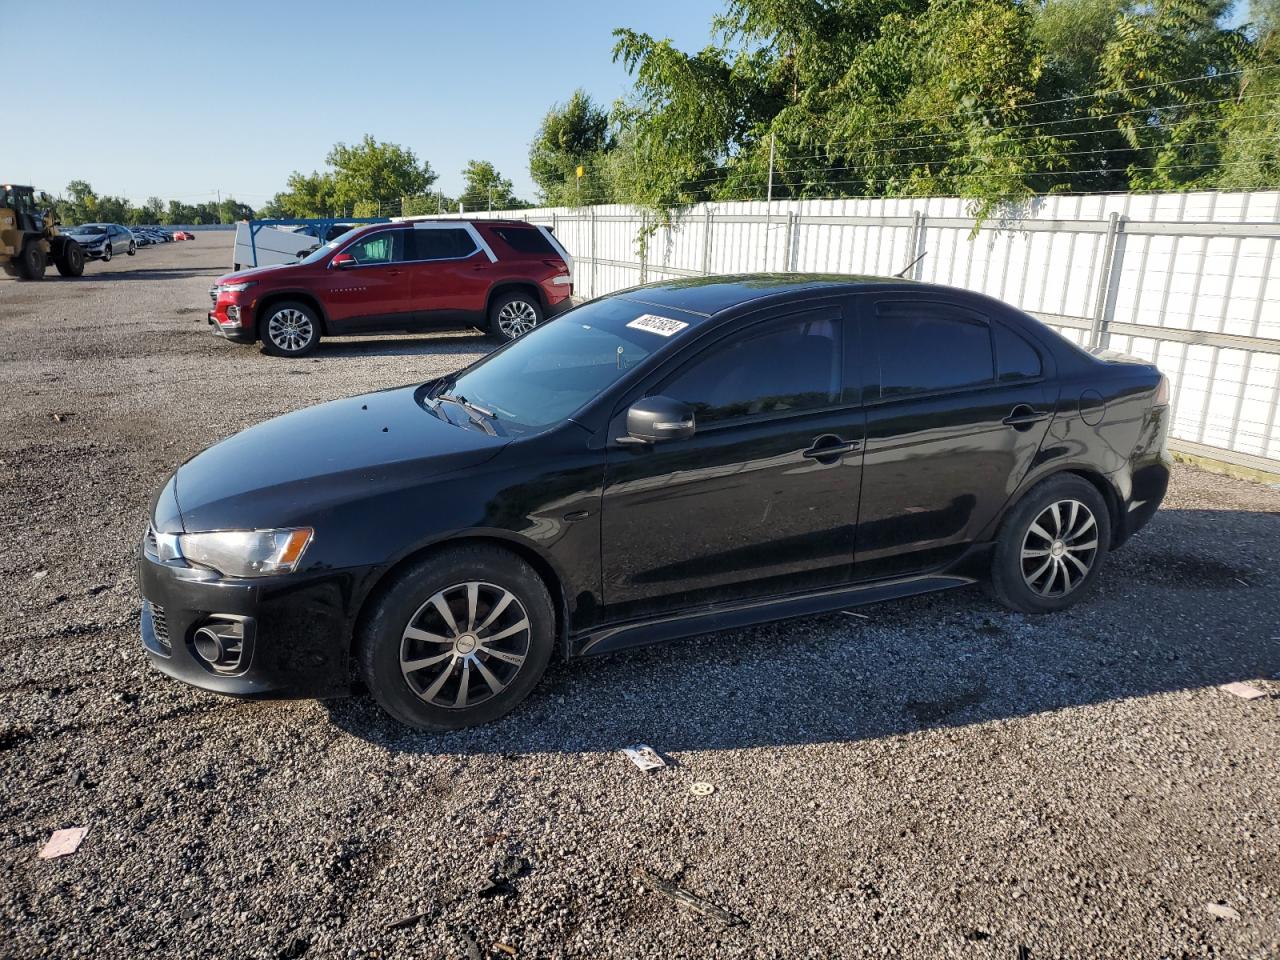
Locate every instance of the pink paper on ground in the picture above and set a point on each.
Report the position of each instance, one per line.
(63, 842)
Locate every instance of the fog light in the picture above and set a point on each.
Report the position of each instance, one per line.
(233, 316)
(219, 644)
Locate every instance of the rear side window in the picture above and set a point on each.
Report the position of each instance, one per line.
(526, 240)
(1016, 359)
(926, 347)
(442, 244)
(790, 365)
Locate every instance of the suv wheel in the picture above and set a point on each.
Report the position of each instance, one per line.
(1051, 546)
(289, 329)
(459, 638)
(514, 314)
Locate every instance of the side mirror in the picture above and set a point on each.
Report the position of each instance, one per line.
(654, 419)
(343, 261)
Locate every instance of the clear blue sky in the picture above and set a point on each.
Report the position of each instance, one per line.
(179, 99)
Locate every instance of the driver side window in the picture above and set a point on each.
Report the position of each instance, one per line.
(781, 367)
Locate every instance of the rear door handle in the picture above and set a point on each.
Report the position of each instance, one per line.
(1024, 415)
(829, 448)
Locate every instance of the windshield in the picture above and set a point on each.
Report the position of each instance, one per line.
(556, 369)
(320, 252)
(85, 229)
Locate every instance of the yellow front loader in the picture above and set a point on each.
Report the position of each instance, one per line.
(29, 239)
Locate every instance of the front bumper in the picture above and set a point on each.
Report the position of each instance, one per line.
(235, 332)
(297, 629)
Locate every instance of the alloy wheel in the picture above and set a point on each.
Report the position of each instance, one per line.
(465, 645)
(290, 330)
(1059, 548)
(517, 318)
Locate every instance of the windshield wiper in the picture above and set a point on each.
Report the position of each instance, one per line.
(477, 414)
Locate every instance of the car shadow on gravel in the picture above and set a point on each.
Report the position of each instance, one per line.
(419, 345)
(1174, 611)
(153, 273)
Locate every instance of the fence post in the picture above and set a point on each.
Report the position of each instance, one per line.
(644, 246)
(594, 252)
(706, 240)
(793, 241)
(1105, 303)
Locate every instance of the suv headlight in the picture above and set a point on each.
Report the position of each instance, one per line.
(235, 287)
(247, 553)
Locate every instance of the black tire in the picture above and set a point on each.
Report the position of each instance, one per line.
(32, 261)
(1056, 565)
(408, 601)
(70, 259)
(133, 248)
(513, 314)
(299, 332)
(106, 253)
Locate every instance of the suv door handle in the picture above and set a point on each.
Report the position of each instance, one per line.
(1024, 415)
(829, 448)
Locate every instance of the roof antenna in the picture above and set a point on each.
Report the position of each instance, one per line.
(901, 274)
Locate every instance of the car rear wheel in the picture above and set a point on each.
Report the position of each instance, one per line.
(1051, 546)
(459, 638)
(514, 314)
(289, 329)
(133, 248)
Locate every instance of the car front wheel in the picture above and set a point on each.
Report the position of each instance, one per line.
(512, 315)
(1052, 546)
(106, 253)
(459, 638)
(289, 329)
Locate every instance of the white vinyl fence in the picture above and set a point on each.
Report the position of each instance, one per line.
(1189, 280)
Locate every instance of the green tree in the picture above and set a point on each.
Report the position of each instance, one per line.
(484, 188)
(377, 172)
(574, 134)
(1251, 124)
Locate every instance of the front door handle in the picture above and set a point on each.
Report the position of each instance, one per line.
(1023, 416)
(829, 448)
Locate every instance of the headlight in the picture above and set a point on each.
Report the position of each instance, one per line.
(235, 287)
(247, 553)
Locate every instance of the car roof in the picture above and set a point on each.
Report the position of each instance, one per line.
(708, 296)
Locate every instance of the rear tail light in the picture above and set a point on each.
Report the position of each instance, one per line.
(1162, 392)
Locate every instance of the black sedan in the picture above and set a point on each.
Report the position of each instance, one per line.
(673, 459)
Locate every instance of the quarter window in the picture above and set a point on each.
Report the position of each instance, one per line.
(526, 240)
(1015, 358)
(788, 366)
(383, 247)
(447, 244)
(926, 347)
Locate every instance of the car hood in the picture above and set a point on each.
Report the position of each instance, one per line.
(87, 239)
(256, 273)
(291, 470)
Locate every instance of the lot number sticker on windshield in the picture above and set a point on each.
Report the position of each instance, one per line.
(662, 326)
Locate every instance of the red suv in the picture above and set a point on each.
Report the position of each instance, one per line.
(504, 276)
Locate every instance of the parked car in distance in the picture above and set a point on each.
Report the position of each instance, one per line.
(503, 276)
(102, 241)
(683, 457)
(141, 237)
(183, 235)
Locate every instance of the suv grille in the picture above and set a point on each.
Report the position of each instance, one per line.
(213, 294)
(160, 625)
(149, 543)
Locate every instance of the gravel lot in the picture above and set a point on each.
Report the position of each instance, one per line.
(942, 779)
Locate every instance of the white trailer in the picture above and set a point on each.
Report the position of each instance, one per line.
(258, 245)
